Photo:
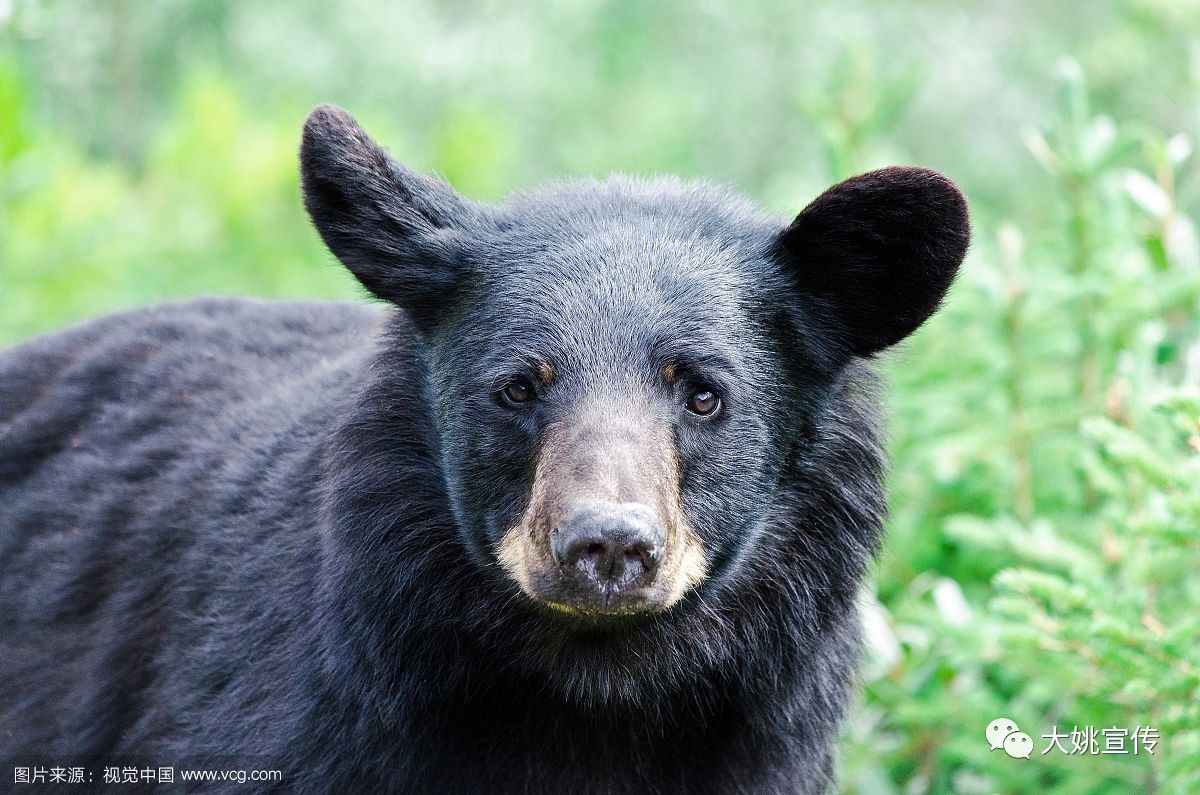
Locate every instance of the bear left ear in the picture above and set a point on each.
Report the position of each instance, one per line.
(403, 234)
(874, 255)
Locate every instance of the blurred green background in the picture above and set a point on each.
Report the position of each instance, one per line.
(1044, 553)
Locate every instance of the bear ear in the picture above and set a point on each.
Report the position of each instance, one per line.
(874, 255)
(402, 234)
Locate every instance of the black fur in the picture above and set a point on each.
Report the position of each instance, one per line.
(252, 534)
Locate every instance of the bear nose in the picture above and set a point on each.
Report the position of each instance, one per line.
(610, 544)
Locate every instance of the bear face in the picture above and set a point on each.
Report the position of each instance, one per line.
(631, 464)
(622, 373)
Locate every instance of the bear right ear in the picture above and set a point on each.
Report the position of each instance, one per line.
(874, 255)
(402, 234)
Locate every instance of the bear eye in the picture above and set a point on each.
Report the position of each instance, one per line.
(704, 402)
(517, 392)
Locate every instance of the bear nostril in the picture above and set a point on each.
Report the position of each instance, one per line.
(640, 554)
(593, 557)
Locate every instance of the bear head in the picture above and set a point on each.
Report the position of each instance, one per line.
(624, 371)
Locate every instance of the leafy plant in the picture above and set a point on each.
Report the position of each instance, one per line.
(1060, 586)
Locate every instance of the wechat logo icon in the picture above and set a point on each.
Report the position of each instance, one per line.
(1004, 733)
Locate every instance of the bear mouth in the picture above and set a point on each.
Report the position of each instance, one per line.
(602, 601)
(585, 621)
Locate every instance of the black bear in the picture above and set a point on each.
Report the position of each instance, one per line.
(583, 508)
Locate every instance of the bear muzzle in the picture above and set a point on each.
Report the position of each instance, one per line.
(605, 532)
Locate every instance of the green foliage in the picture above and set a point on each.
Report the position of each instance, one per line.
(1090, 621)
(1051, 532)
(216, 211)
(1042, 563)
